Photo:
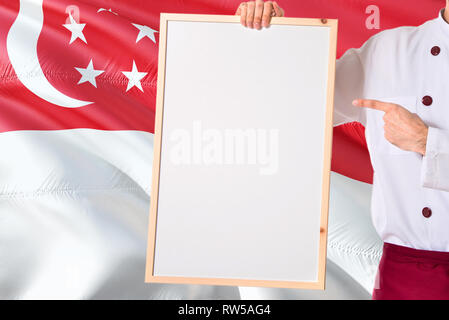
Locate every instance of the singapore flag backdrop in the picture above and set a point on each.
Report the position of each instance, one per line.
(77, 105)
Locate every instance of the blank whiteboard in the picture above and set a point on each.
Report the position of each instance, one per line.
(242, 152)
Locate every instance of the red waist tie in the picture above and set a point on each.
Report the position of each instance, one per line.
(411, 274)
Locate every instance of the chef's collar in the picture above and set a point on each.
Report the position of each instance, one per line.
(444, 25)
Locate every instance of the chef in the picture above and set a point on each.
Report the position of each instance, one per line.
(396, 86)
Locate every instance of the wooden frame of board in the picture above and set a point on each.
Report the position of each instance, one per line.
(149, 276)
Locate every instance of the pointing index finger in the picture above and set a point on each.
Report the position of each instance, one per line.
(373, 104)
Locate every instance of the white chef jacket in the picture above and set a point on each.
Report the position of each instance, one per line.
(408, 66)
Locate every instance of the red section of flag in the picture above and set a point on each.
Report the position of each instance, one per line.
(116, 45)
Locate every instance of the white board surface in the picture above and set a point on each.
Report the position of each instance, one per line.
(243, 146)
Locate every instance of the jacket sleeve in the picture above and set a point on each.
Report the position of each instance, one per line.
(435, 165)
(350, 83)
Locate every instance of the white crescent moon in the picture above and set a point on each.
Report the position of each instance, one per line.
(21, 45)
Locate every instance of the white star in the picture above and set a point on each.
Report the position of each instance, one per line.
(76, 29)
(134, 77)
(89, 74)
(145, 31)
(109, 10)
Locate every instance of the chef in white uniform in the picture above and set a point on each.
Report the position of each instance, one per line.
(396, 86)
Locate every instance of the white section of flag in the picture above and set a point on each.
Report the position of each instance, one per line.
(74, 210)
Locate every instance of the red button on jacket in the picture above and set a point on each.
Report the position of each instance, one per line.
(426, 212)
(435, 50)
(427, 100)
